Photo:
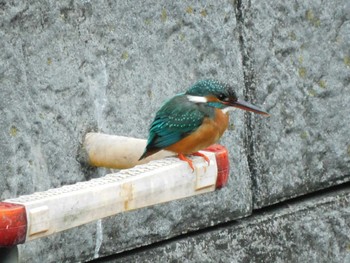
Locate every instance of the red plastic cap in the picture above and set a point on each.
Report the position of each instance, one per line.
(223, 163)
(13, 224)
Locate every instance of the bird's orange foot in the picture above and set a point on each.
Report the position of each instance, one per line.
(184, 158)
(202, 155)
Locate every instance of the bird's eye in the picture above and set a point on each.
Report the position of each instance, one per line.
(222, 97)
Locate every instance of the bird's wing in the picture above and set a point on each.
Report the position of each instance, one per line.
(177, 118)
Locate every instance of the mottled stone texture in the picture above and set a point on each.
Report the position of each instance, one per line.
(69, 67)
(316, 230)
(298, 62)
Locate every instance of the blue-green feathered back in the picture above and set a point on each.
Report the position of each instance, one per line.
(176, 119)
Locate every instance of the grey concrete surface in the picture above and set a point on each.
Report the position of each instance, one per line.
(298, 63)
(316, 230)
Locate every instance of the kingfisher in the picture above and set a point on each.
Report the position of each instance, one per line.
(194, 120)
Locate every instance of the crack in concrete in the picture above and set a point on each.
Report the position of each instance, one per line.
(249, 95)
(99, 238)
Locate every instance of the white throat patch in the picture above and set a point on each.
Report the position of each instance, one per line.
(227, 109)
(197, 99)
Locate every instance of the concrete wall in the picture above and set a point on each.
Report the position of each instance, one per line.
(69, 67)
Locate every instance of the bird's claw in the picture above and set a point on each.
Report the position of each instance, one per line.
(190, 162)
(202, 155)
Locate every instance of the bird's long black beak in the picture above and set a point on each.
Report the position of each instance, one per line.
(241, 104)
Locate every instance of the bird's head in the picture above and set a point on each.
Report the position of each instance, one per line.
(219, 95)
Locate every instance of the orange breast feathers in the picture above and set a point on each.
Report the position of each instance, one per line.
(207, 134)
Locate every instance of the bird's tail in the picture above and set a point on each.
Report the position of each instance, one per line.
(148, 152)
